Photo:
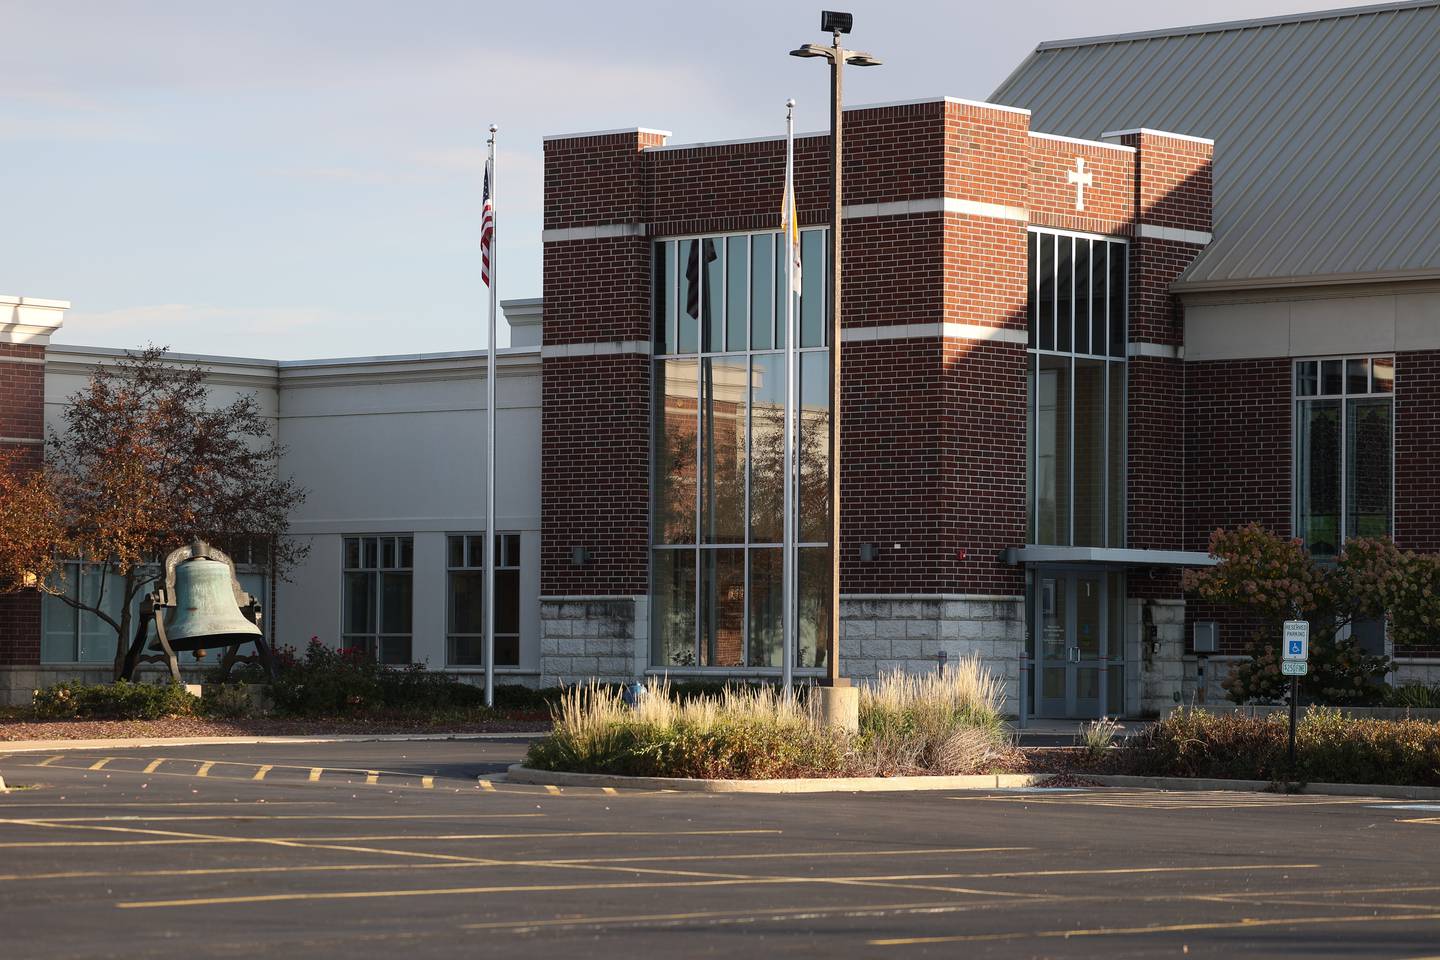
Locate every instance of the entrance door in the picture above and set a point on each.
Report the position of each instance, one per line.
(1073, 648)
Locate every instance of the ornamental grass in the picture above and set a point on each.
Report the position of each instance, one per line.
(908, 725)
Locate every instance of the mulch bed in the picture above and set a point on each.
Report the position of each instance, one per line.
(1067, 761)
(17, 729)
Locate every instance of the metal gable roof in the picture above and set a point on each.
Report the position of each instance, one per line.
(1327, 138)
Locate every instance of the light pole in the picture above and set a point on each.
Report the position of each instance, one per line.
(836, 24)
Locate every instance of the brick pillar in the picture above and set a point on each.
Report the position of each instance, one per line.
(595, 416)
(25, 328)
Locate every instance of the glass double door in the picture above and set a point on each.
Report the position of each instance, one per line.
(1079, 656)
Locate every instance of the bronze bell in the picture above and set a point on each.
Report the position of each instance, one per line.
(206, 613)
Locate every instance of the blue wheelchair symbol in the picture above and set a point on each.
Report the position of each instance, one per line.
(1295, 647)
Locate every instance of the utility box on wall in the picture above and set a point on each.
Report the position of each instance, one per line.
(1207, 636)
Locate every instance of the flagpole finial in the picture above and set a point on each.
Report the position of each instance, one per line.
(790, 103)
(494, 128)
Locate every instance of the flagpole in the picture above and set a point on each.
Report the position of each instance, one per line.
(488, 597)
(789, 591)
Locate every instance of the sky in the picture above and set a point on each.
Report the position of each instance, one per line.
(302, 179)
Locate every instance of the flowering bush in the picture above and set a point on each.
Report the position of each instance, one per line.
(1274, 579)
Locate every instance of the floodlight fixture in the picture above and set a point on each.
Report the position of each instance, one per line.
(862, 60)
(833, 21)
(810, 50)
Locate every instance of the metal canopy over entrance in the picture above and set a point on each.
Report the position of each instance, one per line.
(1075, 625)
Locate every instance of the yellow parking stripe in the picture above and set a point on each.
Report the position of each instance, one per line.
(372, 776)
(487, 786)
(204, 770)
(552, 789)
(153, 765)
(49, 760)
(428, 783)
(100, 764)
(260, 773)
(315, 773)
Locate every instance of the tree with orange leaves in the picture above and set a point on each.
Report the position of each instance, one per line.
(143, 463)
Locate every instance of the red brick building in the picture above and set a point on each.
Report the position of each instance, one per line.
(997, 279)
(1074, 342)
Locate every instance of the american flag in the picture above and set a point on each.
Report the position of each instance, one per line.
(487, 229)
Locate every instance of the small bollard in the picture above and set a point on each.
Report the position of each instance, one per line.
(940, 659)
(633, 694)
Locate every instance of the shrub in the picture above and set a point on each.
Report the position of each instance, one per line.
(328, 682)
(1097, 736)
(1329, 748)
(112, 701)
(743, 734)
(228, 701)
(914, 723)
(1416, 696)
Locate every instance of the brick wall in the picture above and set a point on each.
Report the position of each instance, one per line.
(1238, 416)
(1417, 479)
(933, 425)
(22, 416)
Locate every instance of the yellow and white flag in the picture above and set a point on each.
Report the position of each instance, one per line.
(789, 218)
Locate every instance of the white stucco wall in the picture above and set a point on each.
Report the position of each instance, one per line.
(396, 446)
(388, 445)
(1313, 321)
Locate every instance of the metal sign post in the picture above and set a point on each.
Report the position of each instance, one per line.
(1294, 663)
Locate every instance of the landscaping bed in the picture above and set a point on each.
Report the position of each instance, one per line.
(909, 725)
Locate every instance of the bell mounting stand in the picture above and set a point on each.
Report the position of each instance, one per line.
(207, 610)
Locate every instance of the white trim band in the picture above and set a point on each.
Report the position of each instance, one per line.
(1165, 351)
(933, 331)
(1152, 232)
(38, 361)
(608, 348)
(599, 232)
(901, 208)
(23, 441)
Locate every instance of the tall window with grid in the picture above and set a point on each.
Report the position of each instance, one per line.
(719, 392)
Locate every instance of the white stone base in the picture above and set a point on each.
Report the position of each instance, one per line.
(882, 633)
(601, 638)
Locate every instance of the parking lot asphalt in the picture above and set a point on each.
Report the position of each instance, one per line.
(423, 850)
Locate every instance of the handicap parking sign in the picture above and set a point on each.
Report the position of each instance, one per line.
(1295, 643)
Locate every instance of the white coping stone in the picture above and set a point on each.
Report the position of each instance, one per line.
(1083, 143)
(1157, 133)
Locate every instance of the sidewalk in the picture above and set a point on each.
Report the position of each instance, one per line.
(1062, 733)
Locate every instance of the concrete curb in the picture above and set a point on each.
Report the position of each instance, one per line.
(129, 743)
(518, 773)
(1383, 791)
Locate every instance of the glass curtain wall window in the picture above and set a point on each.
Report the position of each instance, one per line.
(378, 584)
(1075, 425)
(465, 563)
(719, 391)
(1344, 450)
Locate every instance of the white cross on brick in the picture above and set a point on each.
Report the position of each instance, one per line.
(1081, 178)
